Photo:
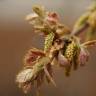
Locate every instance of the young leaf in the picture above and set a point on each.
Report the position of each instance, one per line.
(39, 10)
(24, 76)
(39, 66)
(32, 55)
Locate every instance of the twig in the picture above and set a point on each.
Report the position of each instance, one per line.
(89, 43)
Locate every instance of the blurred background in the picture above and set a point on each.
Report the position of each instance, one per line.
(16, 37)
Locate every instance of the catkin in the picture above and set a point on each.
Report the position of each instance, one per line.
(69, 53)
(48, 41)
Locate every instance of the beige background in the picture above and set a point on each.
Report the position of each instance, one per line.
(16, 37)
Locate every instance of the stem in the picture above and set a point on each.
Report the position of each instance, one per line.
(89, 43)
(48, 75)
(38, 92)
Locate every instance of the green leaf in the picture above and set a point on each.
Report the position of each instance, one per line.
(39, 66)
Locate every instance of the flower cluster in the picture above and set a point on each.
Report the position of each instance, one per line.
(61, 45)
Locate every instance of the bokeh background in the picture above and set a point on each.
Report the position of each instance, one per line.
(16, 37)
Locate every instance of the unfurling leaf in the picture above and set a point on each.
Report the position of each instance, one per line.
(24, 76)
(32, 55)
(31, 16)
(39, 10)
(41, 63)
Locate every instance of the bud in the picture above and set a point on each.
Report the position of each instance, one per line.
(26, 87)
(62, 30)
(31, 16)
(83, 56)
(52, 18)
(62, 60)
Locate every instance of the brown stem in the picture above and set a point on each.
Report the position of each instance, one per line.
(89, 43)
(48, 75)
(38, 92)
